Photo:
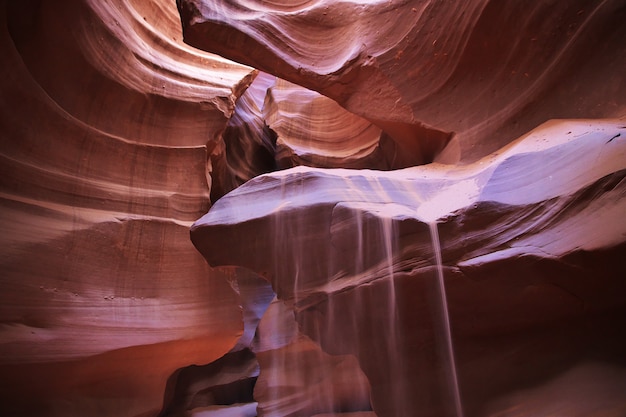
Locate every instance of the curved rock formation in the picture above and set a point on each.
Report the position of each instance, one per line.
(485, 71)
(105, 117)
(532, 239)
(315, 131)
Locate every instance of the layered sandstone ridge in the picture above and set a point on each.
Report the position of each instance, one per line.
(485, 71)
(531, 241)
(105, 120)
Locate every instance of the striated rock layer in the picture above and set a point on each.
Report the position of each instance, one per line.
(105, 119)
(484, 71)
(532, 241)
(313, 130)
(307, 124)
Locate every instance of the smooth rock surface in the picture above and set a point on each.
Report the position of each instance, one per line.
(279, 125)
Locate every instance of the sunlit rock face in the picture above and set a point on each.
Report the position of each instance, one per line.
(532, 244)
(105, 121)
(485, 71)
(313, 130)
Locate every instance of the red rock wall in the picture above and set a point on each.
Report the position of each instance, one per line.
(105, 117)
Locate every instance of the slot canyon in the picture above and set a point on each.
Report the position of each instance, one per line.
(330, 208)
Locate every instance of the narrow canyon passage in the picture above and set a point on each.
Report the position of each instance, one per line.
(228, 208)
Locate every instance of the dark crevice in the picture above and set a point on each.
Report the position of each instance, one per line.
(226, 381)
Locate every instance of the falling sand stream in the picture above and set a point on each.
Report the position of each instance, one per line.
(454, 381)
(375, 241)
